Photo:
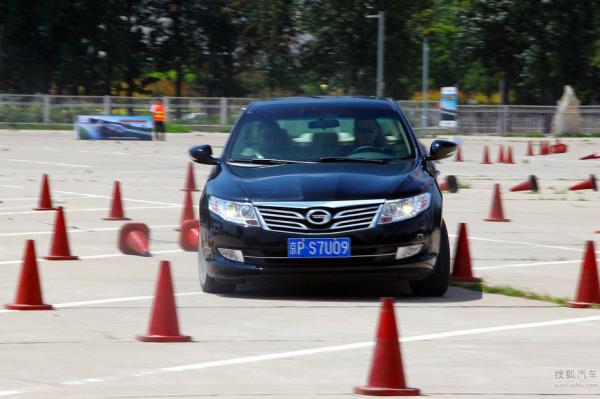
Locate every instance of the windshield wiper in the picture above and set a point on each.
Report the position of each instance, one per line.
(346, 159)
(264, 161)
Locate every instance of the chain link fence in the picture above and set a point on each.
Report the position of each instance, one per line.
(220, 113)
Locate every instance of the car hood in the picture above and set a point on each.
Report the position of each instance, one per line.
(319, 181)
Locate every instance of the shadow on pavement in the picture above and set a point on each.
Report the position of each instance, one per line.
(347, 290)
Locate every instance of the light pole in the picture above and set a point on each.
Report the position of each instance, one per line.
(425, 85)
(380, 85)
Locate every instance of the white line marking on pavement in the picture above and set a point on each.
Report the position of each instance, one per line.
(531, 244)
(26, 233)
(103, 152)
(124, 199)
(4, 208)
(30, 198)
(47, 163)
(340, 348)
(10, 186)
(103, 301)
(527, 264)
(8, 393)
(167, 251)
(94, 209)
(115, 300)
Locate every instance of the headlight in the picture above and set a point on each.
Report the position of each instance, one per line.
(405, 208)
(234, 212)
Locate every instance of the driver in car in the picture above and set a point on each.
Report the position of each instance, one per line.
(271, 141)
(367, 133)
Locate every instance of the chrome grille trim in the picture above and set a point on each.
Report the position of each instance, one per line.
(353, 256)
(290, 217)
(352, 212)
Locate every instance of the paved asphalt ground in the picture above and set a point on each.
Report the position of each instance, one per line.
(303, 340)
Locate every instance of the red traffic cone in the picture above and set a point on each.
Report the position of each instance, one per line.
(458, 157)
(588, 289)
(486, 156)
(529, 184)
(45, 203)
(116, 210)
(188, 210)
(189, 237)
(29, 291)
(558, 148)
(509, 155)
(163, 325)
(500, 155)
(387, 374)
(133, 239)
(450, 184)
(462, 270)
(544, 148)
(590, 156)
(586, 184)
(60, 241)
(530, 149)
(190, 182)
(496, 213)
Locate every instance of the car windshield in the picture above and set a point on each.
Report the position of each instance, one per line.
(328, 133)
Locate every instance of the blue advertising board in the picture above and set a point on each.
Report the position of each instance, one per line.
(448, 106)
(108, 127)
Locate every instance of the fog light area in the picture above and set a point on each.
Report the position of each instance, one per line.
(408, 251)
(232, 254)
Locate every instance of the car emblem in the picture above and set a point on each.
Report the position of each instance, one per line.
(318, 216)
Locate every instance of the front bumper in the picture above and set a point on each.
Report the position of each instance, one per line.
(373, 250)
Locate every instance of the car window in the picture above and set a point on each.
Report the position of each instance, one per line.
(312, 137)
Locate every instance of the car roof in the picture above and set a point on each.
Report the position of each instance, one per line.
(351, 101)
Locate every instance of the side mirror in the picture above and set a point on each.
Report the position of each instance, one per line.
(441, 149)
(203, 154)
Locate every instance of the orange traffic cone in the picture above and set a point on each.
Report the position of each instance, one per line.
(509, 155)
(163, 325)
(462, 270)
(45, 203)
(458, 157)
(133, 239)
(188, 209)
(29, 291)
(189, 237)
(486, 156)
(586, 184)
(529, 184)
(496, 213)
(190, 182)
(588, 290)
(530, 149)
(116, 210)
(60, 241)
(500, 155)
(387, 373)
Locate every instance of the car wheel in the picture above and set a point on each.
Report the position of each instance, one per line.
(437, 283)
(210, 284)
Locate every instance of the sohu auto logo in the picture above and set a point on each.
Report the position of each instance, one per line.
(318, 216)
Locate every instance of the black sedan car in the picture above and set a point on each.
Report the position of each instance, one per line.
(323, 186)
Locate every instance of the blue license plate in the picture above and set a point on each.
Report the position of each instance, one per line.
(318, 247)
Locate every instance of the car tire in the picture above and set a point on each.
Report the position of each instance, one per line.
(437, 283)
(210, 284)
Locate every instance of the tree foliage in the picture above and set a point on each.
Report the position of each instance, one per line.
(287, 47)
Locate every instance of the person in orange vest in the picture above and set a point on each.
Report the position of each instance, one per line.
(159, 116)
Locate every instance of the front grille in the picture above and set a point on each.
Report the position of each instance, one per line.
(296, 217)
